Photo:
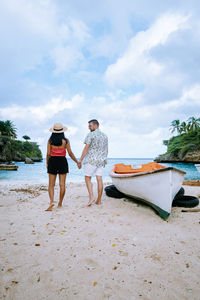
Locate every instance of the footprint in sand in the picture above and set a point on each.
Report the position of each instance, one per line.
(123, 253)
(91, 263)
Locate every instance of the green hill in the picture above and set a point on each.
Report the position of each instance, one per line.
(12, 149)
(185, 147)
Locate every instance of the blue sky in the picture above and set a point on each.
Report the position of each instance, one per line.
(133, 65)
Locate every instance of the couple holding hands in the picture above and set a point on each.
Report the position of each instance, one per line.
(94, 155)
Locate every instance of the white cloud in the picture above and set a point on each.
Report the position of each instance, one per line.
(189, 97)
(40, 112)
(126, 143)
(38, 16)
(80, 32)
(32, 32)
(137, 64)
(65, 58)
(134, 128)
(153, 80)
(72, 130)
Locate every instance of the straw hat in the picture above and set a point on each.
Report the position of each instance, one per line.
(58, 128)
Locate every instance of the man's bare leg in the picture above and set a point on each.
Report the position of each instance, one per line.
(62, 179)
(52, 180)
(90, 189)
(99, 188)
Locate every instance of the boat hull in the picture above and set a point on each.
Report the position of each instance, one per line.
(156, 188)
(7, 167)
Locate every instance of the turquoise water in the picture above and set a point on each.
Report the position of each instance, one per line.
(36, 173)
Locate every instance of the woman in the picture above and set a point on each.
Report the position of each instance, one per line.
(57, 162)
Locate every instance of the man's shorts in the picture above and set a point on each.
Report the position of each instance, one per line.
(90, 170)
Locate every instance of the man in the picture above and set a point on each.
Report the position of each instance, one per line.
(95, 153)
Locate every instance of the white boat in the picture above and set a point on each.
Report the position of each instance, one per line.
(8, 167)
(198, 167)
(156, 188)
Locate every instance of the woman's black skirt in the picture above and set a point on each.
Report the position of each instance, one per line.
(58, 165)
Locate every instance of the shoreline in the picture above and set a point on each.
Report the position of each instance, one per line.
(177, 161)
(192, 182)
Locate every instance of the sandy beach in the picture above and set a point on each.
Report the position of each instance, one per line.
(119, 250)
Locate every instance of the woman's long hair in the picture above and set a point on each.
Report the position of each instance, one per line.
(56, 139)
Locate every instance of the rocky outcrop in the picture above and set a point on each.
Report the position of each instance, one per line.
(35, 159)
(193, 156)
(28, 161)
(5, 150)
(184, 147)
(189, 157)
(18, 156)
(14, 150)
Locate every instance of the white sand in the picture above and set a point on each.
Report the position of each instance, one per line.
(120, 250)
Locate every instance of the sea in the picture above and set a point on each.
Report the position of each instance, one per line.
(37, 173)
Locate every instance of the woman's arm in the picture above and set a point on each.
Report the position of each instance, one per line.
(71, 154)
(48, 153)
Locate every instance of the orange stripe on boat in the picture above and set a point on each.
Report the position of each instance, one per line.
(126, 169)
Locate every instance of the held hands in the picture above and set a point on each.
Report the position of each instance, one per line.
(79, 164)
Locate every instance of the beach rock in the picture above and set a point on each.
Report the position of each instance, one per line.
(28, 161)
(190, 157)
(36, 159)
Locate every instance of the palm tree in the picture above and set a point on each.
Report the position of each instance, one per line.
(175, 126)
(183, 127)
(2, 127)
(193, 124)
(10, 129)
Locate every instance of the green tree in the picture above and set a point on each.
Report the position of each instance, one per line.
(175, 126)
(11, 129)
(193, 124)
(183, 127)
(26, 137)
(2, 127)
(8, 128)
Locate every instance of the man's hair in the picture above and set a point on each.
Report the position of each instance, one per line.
(94, 121)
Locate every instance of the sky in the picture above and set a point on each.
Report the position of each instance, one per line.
(133, 65)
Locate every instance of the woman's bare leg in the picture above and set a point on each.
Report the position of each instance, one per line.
(90, 189)
(52, 180)
(62, 180)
